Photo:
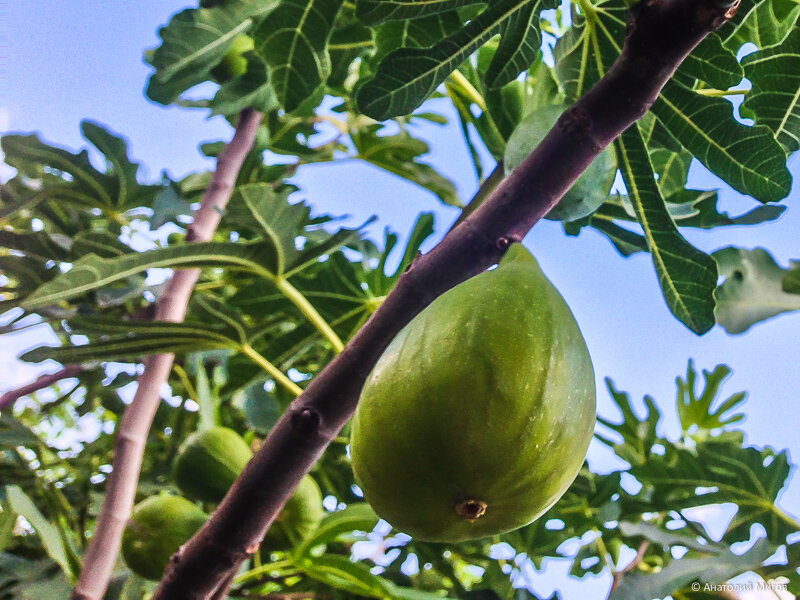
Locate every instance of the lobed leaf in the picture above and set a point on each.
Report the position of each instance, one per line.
(774, 99)
(749, 159)
(687, 276)
(292, 40)
(753, 289)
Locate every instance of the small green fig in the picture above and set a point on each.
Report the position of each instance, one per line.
(158, 526)
(478, 415)
(299, 517)
(590, 190)
(233, 64)
(208, 463)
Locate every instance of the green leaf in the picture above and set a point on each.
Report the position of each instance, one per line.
(697, 417)
(791, 281)
(14, 433)
(349, 41)
(422, 32)
(115, 151)
(250, 90)
(753, 289)
(747, 158)
(763, 22)
(687, 276)
(716, 471)
(519, 45)
(694, 208)
(671, 167)
(168, 206)
(102, 243)
(93, 272)
(261, 408)
(194, 41)
(406, 77)
(668, 538)
(638, 435)
(279, 223)
(356, 517)
(775, 96)
(712, 63)
(399, 154)
(372, 12)
(588, 48)
(341, 573)
(37, 244)
(24, 579)
(397, 592)
(84, 185)
(680, 573)
(625, 241)
(292, 40)
(51, 540)
(136, 340)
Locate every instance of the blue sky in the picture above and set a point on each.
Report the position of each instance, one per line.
(68, 61)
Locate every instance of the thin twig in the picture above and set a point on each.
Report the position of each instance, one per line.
(41, 382)
(637, 560)
(132, 433)
(659, 38)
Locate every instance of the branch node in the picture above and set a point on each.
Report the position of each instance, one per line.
(306, 420)
(503, 243)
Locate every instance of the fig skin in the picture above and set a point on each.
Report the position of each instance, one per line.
(158, 526)
(233, 64)
(299, 517)
(208, 463)
(478, 415)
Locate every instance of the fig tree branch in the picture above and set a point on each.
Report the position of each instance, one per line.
(485, 190)
(40, 383)
(661, 34)
(637, 560)
(103, 549)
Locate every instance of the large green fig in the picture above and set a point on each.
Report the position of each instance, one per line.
(209, 461)
(158, 526)
(299, 517)
(478, 415)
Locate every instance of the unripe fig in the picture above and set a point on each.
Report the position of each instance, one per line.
(299, 517)
(158, 526)
(590, 190)
(208, 463)
(233, 64)
(478, 415)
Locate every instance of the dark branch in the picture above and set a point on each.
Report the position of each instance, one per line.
(637, 560)
(485, 190)
(42, 382)
(661, 34)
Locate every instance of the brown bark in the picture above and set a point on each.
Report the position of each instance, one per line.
(101, 555)
(661, 35)
(637, 560)
(41, 382)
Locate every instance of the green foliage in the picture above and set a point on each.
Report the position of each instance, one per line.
(282, 288)
(755, 288)
(384, 59)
